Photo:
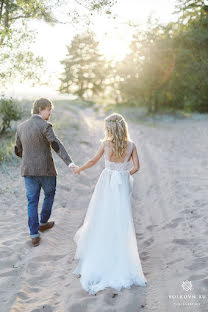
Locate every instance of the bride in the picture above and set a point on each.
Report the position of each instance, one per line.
(106, 242)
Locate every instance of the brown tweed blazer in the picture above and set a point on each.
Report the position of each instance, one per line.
(34, 139)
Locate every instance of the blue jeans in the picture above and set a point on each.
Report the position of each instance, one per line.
(33, 186)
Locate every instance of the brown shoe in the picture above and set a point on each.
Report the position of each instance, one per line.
(36, 241)
(47, 226)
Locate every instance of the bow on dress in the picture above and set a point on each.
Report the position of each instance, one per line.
(116, 178)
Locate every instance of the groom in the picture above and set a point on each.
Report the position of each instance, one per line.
(34, 139)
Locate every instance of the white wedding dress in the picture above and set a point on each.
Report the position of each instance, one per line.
(106, 242)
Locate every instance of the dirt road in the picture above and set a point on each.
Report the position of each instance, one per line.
(169, 206)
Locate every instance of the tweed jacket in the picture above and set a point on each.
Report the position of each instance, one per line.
(34, 139)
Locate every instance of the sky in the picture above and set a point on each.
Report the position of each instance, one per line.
(114, 35)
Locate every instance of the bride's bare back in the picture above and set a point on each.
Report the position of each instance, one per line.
(106, 148)
(111, 155)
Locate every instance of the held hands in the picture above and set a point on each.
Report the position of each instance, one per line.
(75, 169)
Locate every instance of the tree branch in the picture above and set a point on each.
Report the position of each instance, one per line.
(20, 16)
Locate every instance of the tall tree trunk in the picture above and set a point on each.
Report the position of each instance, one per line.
(1, 9)
(7, 14)
(155, 103)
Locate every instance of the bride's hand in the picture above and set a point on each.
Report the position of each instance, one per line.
(76, 170)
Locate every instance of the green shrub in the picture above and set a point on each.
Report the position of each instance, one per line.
(7, 151)
(9, 111)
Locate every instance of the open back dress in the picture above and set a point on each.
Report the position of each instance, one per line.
(106, 242)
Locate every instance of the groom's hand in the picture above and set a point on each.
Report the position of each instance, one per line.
(71, 166)
(74, 168)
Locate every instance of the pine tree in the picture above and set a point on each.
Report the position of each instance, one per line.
(85, 69)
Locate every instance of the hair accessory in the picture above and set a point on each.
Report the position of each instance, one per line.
(116, 120)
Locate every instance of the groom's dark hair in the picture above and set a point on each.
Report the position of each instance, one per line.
(41, 103)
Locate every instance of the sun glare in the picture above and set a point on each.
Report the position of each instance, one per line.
(114, 35)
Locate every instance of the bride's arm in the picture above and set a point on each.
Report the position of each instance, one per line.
(93, 160)
(135, 159)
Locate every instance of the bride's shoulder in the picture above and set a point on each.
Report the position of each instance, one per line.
(130, 142)
(103, 144)
(106, 142)
(132, 145)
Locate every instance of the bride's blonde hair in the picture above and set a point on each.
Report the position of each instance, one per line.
(116, 131)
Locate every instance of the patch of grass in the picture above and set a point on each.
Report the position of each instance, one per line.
(63, 122)
(7, 140)
(71, 104)
(112, 108)
(138, 114)
(7, 154)
(96, 109)
(129, 112)
(183, 114)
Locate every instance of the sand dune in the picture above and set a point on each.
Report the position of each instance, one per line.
(169, 205)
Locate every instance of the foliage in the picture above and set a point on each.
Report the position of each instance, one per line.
(97, 5)
(9, 111)
(167, 66)
(165, 70)
(16, 59)
(85, 69)
(7, 151)
(190, 77)
(189, 10)
(82, 14)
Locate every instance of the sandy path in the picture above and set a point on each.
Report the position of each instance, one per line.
(169, 207)
(172, 199)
